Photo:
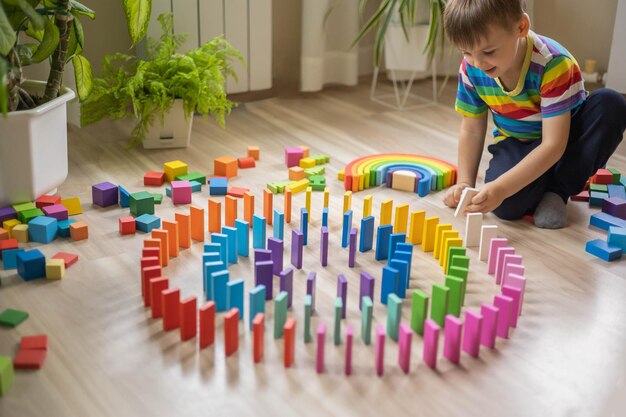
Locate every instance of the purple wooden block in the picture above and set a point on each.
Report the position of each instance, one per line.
(286, 284)
(7, 213)
(310, 289)
(261, 255)
(342, 291)
(615, 206)
(297, 243)
(352, 248)
(516, 295)
(367, 287)
(324, 246)
(471, 334)
(389, 178)
(104, 194)
(490, 321)
(275, 246)
(505, 305)
(58, 211)
(263, 276)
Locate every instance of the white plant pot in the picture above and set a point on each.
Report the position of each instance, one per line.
(401, 55)
(33, 148)
(175, 132)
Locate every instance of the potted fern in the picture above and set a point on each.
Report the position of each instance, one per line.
(163, 91)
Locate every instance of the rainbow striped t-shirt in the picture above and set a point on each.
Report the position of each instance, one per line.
(550, 84)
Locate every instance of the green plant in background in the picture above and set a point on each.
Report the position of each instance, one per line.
(146, 89)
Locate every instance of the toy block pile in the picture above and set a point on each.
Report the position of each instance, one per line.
(304, 171)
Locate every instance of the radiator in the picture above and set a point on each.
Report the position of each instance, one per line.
(246, 24)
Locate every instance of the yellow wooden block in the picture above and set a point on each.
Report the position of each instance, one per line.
(401, 219)
(298, 186)
(72, 205)
(442, 227)
(309, 190)
(347, 201)
(307, 163)
(20, 232)
(385, 212)
(55, 268)
(454, 242)
(428, 239)
(8, 225)
(416, 226)
(340, 175)
(367, 206)
(445, 235)
(173, 169)
(403, 181)
(326, 197)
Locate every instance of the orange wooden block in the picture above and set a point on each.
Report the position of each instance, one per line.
(207, 324)
(258, 329)
(170, 300)
(184, 230)
(268, 202)
(296, 173)
(79, 231)
(188, 318)
(248, 207)
(4, 234)
(287, 205)
(244, 163)
(147, 274)
(173, 240)
(289, 333)
(254, 152)
(230, 211)
(154, 178)
(163, 236)
(215, 216)
(197, 223)
(155, 243)
(225, 166)
(231, 331)
(157, 286)
(305, 151)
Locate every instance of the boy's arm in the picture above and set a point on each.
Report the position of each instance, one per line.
(553, 143)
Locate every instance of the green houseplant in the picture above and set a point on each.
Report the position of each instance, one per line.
(148, 89)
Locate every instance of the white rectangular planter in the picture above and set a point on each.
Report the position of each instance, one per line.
(33, 148)
(401, 55)
(175, 132)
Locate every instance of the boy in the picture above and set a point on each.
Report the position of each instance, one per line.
(550, 136)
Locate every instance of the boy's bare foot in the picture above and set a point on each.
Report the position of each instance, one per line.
(551, 212)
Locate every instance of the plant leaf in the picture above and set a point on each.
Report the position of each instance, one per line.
(380, 35)
(373, 21)
(82, 9)
(48, 43)
(36, 34)
(82, 72)
(138, 16)
(4, 91)
(7, 35)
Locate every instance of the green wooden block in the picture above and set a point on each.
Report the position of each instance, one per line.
(337, 327)
(460, 261)
(24, 206)
(193, 176)
(320, 158)
(280, 314)
(602, 188)
(27, 215)
(158, 198)
(419, 311)
(277, 187)
(455, 251)
(273, 187)
(439, 306)
(308, 301)
(460, 273)
(141, 203)
(311, 172)
(317, 183)
(454, 297)
(11, 317)
(616, 175)
(367, 310)
(6, 374)
(394, 315)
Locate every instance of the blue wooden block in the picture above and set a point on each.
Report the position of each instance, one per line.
(596, 198)
(279, 224)
(405, 247)
(366, 240)
(243, 237)
(219, 287)
(210, 268)
(382, 242)
(234, 295)
(403, 276)
(196, 186)
(124, 197)
(43, 229)
(394, 239)
(604, 221)
(617, 191)
(64, 227)
(9, 258)
(218, 186)
(325, 216)
(257, 302)
(222, 240)
(147, 222)
(31, 264)
(304, 225)
(258, 232)
(209, 257)
(347, 226)
(210, 247)
(389, 284)
(617, 237)
(406, 257)
(168, 191)
(603, 250)
(231, 239)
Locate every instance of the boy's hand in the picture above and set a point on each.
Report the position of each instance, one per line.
(453, 195)
(488, 199)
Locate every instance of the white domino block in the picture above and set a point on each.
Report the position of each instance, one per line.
(487, 233)
(466, 198)
(473, 224)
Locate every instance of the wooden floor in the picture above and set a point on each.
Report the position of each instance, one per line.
(107, 357)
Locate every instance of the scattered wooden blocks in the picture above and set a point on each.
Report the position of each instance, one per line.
(6, 375)
(42, 229)
(141, 203)
(27, 215)
(487, 232)
(231, 332)
(188, 319)
(582, 196)
(237, 192)
(174, 169)
(39, 341)
(471, 335)
(259, 336)
(296, 173)
(12, 318)
(617, 237)
(68, 258)
(431, 343)
(47, 200)
(603, 250)
(29, 358)
(254, 152)
(4, 234)
(452, 339)
(349, 339)
(615, 206)
(380, 350)
(79, 231)
(55, 269)
(64, 227)
(127, 225)
(104, 194)
(603, 176)
(321, 341)
(225, 166)
(289, 331)
(31, 264)
(307, 163)
(7, 213)
(244, 163)
(218, 186)
(466, 199)
(9, 258)
(293, 155)
(20, 233)
(181, 192)
(193, 176)
(154, 178)
(58, 211)
(207, 324)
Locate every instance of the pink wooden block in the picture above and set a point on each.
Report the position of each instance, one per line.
(404, 352)
(431, 343)
(494, 245)
(505, 305)
(380, 349)
(349, 337)
(471, 335)
(519, 282)
(321, 338)
(501, 253)
(516, 295)
(452, 339)
(490, 321)
(507, 261)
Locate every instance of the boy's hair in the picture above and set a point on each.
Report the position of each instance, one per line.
(467, 21)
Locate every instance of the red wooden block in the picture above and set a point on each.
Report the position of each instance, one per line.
(39, 341)
(68, 258)
(157, 286)
(147, 274)
(154, 178)
(582, 196)
(188, 322)
(7, 244)
(170, 299)
(231, 331)
(289, 333)
(258, 329)
(237, 192)
(586, 188)
(149, 261)
(29, 358)
(47, 200)
(127, 225)
(207, 324)
(603, 176)
(148, 252)
(246, 162)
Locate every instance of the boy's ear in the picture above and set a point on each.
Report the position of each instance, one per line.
(523, 26)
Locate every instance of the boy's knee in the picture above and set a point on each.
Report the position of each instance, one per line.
(613, 105)
(508, 212)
